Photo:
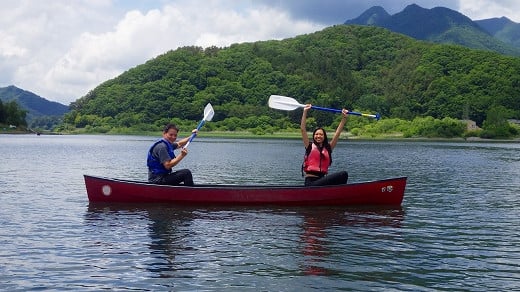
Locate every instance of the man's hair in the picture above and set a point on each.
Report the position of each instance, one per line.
(170, 126)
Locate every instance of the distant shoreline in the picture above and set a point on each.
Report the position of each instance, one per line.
(279, 135)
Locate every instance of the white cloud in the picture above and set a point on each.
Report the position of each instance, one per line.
(39, 33)
(9, 48)
(68, 57)
(483, 9)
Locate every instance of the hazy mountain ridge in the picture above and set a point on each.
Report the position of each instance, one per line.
(502, 28)
(35, 105)
(447, 26)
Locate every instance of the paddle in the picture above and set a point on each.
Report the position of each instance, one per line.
(208, 115)
(288, 104)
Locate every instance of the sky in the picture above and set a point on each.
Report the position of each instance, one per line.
(62, 49)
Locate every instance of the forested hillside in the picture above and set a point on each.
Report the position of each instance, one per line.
(357, 67)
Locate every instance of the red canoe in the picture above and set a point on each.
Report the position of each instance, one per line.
(381, 192)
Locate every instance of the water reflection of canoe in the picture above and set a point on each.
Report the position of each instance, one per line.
(380, 192)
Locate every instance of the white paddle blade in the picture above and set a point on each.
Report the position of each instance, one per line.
(283, 103)
(208, 112)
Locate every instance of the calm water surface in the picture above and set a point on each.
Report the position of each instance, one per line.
(458, 227)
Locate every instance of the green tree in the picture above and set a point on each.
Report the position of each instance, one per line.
(496, 124)
(3, 114)
(14, 114)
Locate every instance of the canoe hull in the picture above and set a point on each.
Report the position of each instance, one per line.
(382, 192)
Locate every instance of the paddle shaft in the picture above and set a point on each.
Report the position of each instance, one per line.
(339, 111)
(195, 134)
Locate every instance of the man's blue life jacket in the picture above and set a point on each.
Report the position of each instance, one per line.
(154, 165)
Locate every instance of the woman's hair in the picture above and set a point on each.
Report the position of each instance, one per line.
(170, 126)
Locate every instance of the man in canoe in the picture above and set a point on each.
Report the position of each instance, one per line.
(318, 153)
(161, 159)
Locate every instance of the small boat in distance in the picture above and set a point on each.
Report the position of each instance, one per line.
(380, 192)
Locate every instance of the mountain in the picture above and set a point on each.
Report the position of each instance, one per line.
(372, 16)
(364, 68)
(503, 29)
(438, 25)
(35, 105)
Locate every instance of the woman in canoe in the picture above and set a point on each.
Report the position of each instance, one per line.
(161, 159)
(318, 153)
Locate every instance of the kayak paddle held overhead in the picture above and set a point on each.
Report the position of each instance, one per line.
(286, 103)
(208, 115)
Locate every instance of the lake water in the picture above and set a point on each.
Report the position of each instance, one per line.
(458, 227)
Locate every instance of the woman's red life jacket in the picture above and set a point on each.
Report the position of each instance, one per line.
(316, 161)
